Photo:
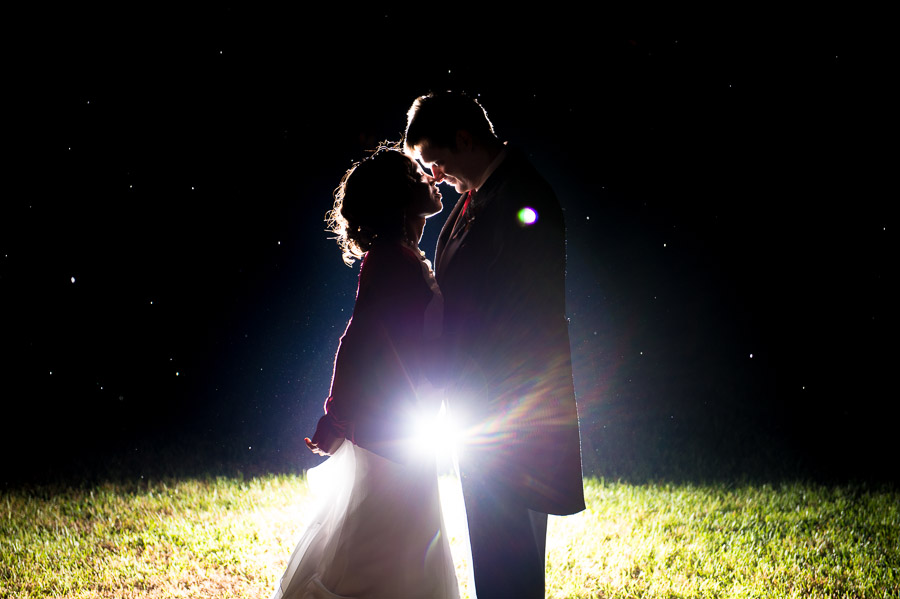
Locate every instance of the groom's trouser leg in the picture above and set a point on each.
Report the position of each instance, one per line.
(508, 542)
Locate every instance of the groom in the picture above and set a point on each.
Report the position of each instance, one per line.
(500, 264)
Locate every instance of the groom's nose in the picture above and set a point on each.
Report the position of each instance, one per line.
(437, 173)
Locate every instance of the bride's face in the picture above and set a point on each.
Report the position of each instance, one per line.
(426, 198)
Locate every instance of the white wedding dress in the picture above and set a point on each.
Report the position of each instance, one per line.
(378, 533)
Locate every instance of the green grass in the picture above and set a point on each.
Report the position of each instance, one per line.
(723, 541)
(229, 537)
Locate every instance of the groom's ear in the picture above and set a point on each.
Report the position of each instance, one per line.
(464, 141)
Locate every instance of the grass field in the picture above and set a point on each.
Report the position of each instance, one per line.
(230, 537)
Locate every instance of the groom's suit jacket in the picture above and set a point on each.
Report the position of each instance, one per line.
(506, 339)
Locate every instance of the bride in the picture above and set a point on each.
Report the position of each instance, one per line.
(378, 531)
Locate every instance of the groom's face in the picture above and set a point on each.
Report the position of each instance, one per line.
(450, 165)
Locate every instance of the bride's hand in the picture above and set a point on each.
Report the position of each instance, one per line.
(323, 444)
(313, 447)
(329, 436)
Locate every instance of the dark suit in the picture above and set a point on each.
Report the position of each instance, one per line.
(507, 346)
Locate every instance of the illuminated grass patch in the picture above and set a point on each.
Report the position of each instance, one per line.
(722, 541)
(229, 537)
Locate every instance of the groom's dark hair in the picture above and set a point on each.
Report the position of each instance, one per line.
(437, 117)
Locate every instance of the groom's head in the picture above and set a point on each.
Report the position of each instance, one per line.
(452, 135)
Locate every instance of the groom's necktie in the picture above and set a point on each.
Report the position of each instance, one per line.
(462, 221)
(459, 226)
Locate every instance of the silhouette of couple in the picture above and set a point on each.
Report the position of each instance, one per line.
(485, 332)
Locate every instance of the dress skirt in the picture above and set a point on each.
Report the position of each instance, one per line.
(378, 533)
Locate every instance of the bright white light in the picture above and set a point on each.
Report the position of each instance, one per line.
(435, 434)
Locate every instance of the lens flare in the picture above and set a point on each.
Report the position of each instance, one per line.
(435, 434)
(527, 216)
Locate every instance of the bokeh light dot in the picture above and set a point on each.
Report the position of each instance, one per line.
(527, 216)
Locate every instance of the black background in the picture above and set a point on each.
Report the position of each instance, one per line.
(728, 281)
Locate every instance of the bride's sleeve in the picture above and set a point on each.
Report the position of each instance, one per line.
(382, 343)
(348, 381)
(351, 375)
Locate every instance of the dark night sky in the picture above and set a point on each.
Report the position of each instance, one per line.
(166, 282)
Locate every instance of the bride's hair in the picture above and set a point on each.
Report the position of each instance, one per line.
(371, 200)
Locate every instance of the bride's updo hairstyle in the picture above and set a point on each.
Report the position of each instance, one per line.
(371, 201)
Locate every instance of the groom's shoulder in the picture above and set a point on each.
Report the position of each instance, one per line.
(518, 178)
